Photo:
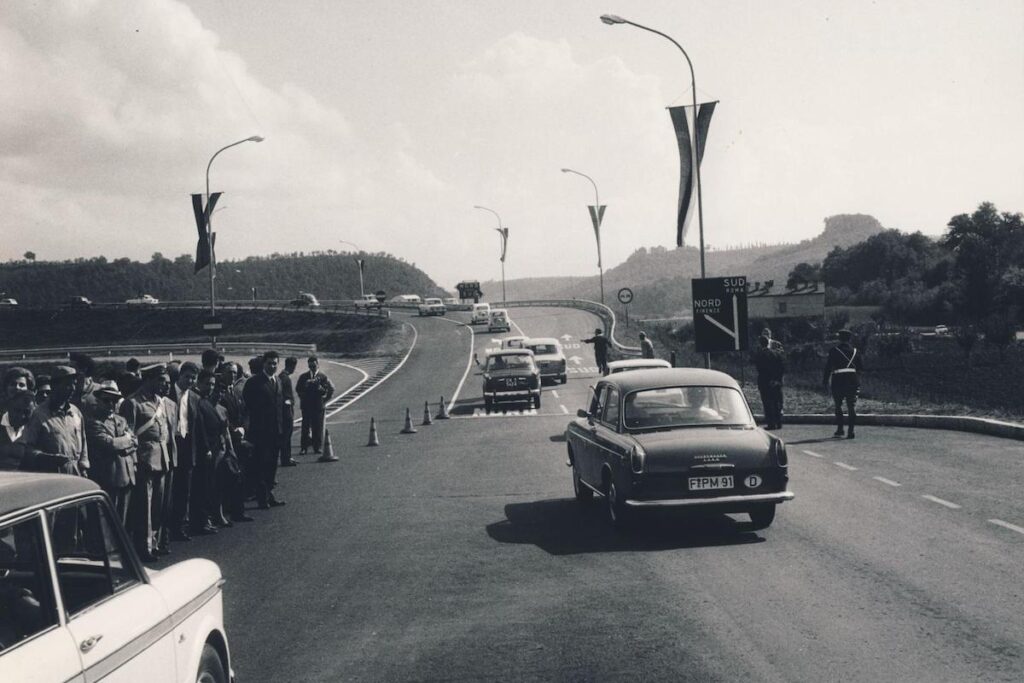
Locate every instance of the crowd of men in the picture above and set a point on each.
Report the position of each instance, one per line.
(180, 447)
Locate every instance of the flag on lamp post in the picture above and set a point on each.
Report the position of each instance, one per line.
(682, 121)
(596, 216)
(203, 248)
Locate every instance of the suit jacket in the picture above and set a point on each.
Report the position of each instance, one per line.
(187, 448)
(289, 398)
(264, 402)
(155, 440)
(214, 440)
(111, 452)
(314, 390)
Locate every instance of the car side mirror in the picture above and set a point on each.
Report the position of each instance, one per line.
(582, 413)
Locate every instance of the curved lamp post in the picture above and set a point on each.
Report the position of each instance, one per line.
(359, 262)
(209, 222)
(611, 20)
(503, 231)
(597, 215)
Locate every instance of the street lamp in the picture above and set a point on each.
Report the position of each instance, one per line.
(611, 20)
(503, 231)
(359, 262)
(596, 215)
(209, 221)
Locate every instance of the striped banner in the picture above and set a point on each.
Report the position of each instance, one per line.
(682, 118)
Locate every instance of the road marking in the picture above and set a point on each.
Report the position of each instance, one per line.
(564, 409)
(516, 325)
(946, 503)
(469, 361)
(849, 468)
(1007, 525)
(415, 338)
(888, 482)
(480, 412)
(554, 393)
(814, 455)
(337, 398)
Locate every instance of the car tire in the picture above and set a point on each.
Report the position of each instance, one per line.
(211, 668)
(488, 405)
(536, 401)
(762, 516)
(582, 492)
(618, 513)
(563, 379)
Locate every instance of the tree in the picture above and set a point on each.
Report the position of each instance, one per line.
(30, 256)
(802, 274)
(1000, 333)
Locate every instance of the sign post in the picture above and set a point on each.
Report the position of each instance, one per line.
(720, 314)
(625, 297)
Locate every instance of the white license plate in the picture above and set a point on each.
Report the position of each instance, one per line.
(708, 483)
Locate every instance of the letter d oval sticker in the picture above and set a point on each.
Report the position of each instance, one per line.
(753, 481)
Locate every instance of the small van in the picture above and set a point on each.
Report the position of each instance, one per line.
(499, 321)
(481, 314)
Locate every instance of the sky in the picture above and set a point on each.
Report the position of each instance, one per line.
(386, 122)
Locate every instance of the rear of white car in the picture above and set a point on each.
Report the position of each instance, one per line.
(499, 321)
(550, 359)
(481, 314)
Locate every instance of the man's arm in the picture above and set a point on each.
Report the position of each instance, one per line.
(330, 388)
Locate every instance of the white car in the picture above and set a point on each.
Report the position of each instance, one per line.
(8, 302)
(142, 300)
(76, 604)
(637, 364)
(513, 342)
(550, 359)
(432, 306)
(368, 301)
(481, 314)
(450, 301)
(499, 321)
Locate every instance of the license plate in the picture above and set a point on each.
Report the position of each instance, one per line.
(708, 483)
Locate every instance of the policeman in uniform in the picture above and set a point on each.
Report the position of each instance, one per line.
(601, 345)
(842, 375)
(771, 366)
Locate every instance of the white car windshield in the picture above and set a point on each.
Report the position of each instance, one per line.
(509, 362)
(685, 407)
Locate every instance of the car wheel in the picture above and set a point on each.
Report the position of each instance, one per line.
(536, 401)
(583, 492)
(617, 511)
(211, 669)
(762, 516)
(563, 379)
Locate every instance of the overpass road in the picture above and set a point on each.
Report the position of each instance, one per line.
(458, 552)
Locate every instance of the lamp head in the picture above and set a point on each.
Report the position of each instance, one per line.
(612, 19)
(566, 170)
(255, 138)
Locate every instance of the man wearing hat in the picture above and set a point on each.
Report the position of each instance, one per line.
(112, 446)
(146, 413)
(55, 434)
(842, 375)
(601, 345)
(85, 387)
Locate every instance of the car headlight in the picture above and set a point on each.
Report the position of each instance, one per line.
(637, 457)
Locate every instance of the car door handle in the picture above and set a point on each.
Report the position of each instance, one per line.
(90, 642)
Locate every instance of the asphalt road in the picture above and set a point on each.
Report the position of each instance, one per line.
(458, 553)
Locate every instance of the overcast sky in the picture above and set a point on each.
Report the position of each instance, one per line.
(386, 121)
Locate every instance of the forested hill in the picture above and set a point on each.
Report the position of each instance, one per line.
(278, 276)
(660, 277)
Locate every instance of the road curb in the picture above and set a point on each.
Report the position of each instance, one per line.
(976, 425)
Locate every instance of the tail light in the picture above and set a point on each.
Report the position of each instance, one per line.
(779, 450)
(637, 457)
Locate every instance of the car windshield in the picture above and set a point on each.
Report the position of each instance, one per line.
(508, 362)
(543, 349)
(685, 407)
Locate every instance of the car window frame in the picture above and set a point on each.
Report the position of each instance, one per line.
(51, 567)
(612, 396)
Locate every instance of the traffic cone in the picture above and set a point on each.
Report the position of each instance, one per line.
(374, 441)
(328, 455)
(443, 413)
(408, 428)
(426, 414)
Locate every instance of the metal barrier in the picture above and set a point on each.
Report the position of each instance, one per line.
(606, 314)
(186, 347)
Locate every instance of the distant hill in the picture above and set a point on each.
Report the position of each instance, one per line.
(328, 275)
(660, 277)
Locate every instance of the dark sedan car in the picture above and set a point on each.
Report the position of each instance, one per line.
(679, 437)
(511, 375)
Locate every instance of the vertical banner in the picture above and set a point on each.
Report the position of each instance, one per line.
(596, 216)
(681, 121)
(504, 241)
(202, 215)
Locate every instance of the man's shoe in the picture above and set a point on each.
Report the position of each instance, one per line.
(242, 518)
(263, 505)
(180, 535)
(275, 503)
(302, 451)
(222, 521)
(290, 462)
(838, 434)
(850, 435)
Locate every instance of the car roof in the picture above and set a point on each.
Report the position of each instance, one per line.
(21, 490)
(542, 340)
(510, 352)
(640, 362)
(670, 377)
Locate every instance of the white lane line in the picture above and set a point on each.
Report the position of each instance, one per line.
(554, 393)
(888, 482)
(415, 338)
(848, 468)
(814, 455)
(469, 361)
(564, 409)
(337, 398)
(516, 325)
(1007, 525)
(945, 503)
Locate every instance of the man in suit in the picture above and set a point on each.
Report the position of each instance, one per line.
(264, 402)
(289, 411)
(112, 446)
(147, 414)
(187, 511)
(315, 389)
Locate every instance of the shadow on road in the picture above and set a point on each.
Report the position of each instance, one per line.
(557, 438)
(824, 439)
(566, 527)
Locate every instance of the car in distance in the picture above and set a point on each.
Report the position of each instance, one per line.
(679, 438)
(499, 321)
(76, 604)
(8, 302)
(450, 301)
(305, 299)
(637, 364)
(480, 315)
(941, 331)
(368, 301)
(143, 300)
(511, 375)
(432, 306)
(513, 342)
(406, 299)
(547, 353)
(77, 302)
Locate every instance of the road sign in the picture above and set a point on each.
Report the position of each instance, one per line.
(720, 313)
(625, 295)
(212, 325)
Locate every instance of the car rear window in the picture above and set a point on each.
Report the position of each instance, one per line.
(685, 407)
(509, 362)
(541, 349)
